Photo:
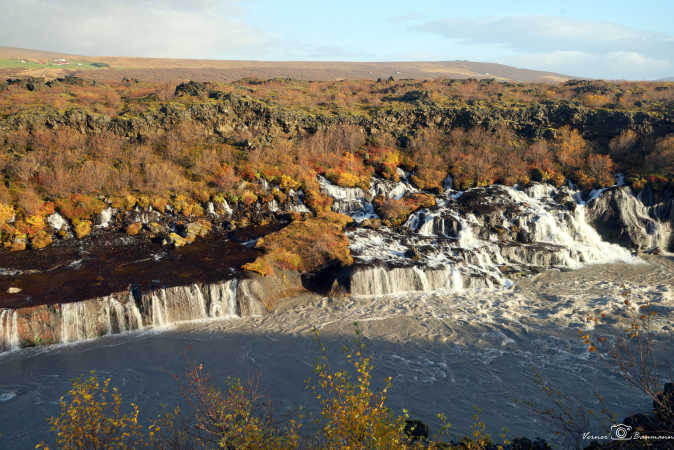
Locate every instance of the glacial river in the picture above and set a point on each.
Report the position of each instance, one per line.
(448, 353)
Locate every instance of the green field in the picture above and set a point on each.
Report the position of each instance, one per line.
(72, 65)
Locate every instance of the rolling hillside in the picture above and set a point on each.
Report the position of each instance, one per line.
(23, 62)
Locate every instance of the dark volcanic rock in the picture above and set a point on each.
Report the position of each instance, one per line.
(193, 88)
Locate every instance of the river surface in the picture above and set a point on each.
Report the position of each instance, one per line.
(446, 352)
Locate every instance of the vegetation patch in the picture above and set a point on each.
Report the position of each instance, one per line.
(394, 212)
(304, 245)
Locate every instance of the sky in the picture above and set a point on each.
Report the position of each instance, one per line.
(591, 38)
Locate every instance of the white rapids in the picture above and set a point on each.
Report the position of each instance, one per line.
(450, 247)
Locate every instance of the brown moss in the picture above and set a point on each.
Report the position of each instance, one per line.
(394, 212)
(125, 202)
(79, 206)
(304, 246)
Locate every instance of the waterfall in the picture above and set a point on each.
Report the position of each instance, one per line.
(159, 318)
(374, 281)
(116, 315)
(186, 303)
(9, 330)
(481, 234)
(351, 201)
(223, 299)
(77, 324)
(124, 312)
(135, 318)
(568, 229)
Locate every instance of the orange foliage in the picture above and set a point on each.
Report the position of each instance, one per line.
(571, 148)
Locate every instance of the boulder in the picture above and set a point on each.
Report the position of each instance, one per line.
(193, 88)
(416, 430)
(41, 239)
(134, 228)
(200, 228)
(82, 228)
(18, 243)
(176, 240)
(155, 228)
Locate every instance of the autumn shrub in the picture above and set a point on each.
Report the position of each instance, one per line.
(385, 160)
(394, 212)
(661, 158)
(601, 169)
(92, 417)
(624, 148)
(354, 414)
(234, 417)
(570, 148)
(350, 172)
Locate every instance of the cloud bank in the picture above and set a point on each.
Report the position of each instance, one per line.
(167, 28)
(564, 45)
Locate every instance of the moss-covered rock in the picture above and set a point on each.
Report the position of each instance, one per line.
(133, 228)
(81, 228)
(176, 240)
(41, 239)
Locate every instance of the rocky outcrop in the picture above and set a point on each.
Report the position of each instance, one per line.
(231, 112)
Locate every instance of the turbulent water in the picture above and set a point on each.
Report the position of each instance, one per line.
(471, 304)
(446, 352)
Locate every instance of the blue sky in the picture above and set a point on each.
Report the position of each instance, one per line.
(603, 39)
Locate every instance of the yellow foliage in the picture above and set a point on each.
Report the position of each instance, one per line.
(288, 183)
(91, 417)
(41, 239)
(187, 206)
(126, 202)
(248, 198)
(82, 228)
(159, 203)
(36, 222)
(7, 213)
(354, 414)
(134, 228)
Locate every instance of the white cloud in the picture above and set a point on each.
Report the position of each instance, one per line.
(575, 47)
(167, 28)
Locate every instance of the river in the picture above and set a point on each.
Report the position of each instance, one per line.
(447, 352)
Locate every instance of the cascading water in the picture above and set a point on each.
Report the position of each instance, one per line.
(77, 324)
(129, 311)
(133, 313)
(223, 299)
(567, 229)
(478, 237)
(186, 303)
(9, 330)
(116, 315)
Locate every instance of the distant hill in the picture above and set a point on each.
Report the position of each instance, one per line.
(25, 62)
(667, 79)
